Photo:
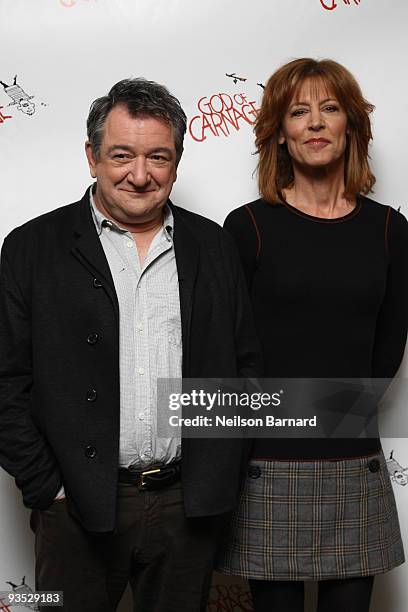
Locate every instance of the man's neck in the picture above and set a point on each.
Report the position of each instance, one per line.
(143, 236)
(142, 232)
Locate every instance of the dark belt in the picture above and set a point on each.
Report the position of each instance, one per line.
(153, 477)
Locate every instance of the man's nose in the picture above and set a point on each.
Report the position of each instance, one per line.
(139, 173)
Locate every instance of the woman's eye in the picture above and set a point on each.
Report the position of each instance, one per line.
(298, 112)
(331, 108)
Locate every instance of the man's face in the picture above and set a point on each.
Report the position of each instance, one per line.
(27, 107)
(136, 167)
(400, 477)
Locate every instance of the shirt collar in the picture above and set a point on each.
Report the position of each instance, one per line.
(101, 221)
(97, 216)
(168, 222)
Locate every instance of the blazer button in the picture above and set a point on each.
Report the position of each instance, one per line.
(93, 338)
(91, 395)
(374, 465)
(97, 283)
(254, 471)
(90, 452)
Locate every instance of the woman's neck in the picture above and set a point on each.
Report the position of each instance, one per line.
(319, 192)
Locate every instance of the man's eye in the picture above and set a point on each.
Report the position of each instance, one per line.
(158, 157)
(120, 156)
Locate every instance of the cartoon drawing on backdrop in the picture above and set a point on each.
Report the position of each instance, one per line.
(221, 113)
(235, 78)
(397, 473)
(19, 97)
(21, 589)
(330, 5)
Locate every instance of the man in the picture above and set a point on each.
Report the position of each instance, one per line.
(98, 300)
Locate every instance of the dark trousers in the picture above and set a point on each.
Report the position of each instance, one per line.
(348, 595)
(166, 558)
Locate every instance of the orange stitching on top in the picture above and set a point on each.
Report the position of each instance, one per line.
(330, 221)
(387, 223)
(258, 235)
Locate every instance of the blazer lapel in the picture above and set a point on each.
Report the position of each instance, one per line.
(187, 257)
(88, 250)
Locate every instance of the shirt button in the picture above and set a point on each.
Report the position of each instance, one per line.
(90, 452)
(130, 244)
(91, 395)
(93, 338)
(97, 283)
(140, 371)
(141, 416)
(374, 465)
(139, 327)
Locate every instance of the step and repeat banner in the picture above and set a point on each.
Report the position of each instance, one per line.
(59, 55)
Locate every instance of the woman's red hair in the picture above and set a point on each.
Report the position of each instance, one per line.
(275, 171)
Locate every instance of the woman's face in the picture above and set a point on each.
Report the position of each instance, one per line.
(314, 127)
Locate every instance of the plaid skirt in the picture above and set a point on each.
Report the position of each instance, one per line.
(314, 520)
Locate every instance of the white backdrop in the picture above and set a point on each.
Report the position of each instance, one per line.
(66, 53)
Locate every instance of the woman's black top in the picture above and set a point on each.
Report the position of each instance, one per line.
(330, 299)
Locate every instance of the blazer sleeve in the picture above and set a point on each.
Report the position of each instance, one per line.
(24, 452)
(392, 320)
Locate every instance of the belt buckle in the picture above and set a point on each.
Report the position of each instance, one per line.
(142, 482)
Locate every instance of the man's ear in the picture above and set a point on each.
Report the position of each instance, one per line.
(90, 158)
(178, 160)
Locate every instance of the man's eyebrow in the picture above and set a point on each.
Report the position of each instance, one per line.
(161, 150)
(122, 147)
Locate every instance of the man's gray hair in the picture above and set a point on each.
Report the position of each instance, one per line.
(141, 98)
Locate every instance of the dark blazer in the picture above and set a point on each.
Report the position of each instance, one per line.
(59, 392)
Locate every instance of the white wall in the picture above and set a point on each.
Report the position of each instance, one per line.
(68, 52)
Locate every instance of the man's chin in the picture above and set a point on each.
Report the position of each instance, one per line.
(141, 213)
(134, 201)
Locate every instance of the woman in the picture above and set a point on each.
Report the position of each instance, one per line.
(327, 269)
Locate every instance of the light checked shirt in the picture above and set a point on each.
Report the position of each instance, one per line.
(149, 335)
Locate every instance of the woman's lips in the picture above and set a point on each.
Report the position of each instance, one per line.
(317, 143)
